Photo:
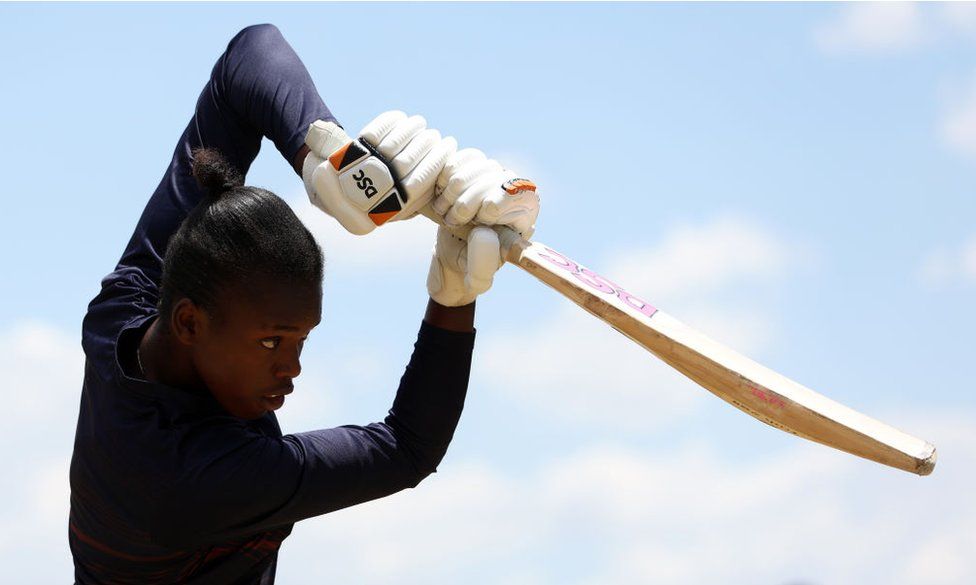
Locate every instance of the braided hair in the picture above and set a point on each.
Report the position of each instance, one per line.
(236, 235)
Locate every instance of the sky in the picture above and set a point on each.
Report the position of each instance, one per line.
(796, 181)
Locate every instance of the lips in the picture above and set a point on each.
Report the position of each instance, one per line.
(275, 400)
(283, 391)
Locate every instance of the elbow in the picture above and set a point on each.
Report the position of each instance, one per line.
(257, 36)
(256, 50)
(422, 465)
(259, 43)
(417, 454)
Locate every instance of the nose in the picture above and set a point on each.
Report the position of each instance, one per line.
(290, 365)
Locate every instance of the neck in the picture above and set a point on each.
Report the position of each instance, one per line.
(167, 361)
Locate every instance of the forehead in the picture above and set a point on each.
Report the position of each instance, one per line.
(271, 306)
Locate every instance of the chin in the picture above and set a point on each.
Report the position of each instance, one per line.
(251, 415)
(246, 412)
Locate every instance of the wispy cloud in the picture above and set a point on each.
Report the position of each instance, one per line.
(958, 124)
(880, 28)
(873, 27)
(703, 258)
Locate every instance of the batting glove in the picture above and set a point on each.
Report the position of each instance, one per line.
(387, 173)
(463, 267)
(474, 188)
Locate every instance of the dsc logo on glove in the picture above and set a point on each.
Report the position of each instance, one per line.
(364, 183)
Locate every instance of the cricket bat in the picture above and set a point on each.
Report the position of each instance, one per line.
(755, 389)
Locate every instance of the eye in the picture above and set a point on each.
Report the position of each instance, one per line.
(271, 342)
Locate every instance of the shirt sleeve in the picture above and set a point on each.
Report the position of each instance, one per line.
(258, 88)
(258, 483)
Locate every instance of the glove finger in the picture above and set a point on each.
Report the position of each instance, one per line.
(423, 176)
(400, 135)
(325, 137)
(459, 159)
(381, 125)
(499, 207)
(469, 202)
(414, 152)
(519, 220)
(461, 181)
(484, 259)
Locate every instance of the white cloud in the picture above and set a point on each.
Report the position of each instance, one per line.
(476, 511)
(946, 558)
(947, 266)
(581, 371)
(43, 368)
(888, 27)
(611, 514)
(958, 124)
(873, 27)
(705, 257)
(50, 491)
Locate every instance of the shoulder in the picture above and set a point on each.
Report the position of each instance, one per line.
(126, 301)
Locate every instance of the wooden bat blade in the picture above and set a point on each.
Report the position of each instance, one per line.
(764, 394)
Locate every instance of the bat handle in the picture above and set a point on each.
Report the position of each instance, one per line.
(512, 244)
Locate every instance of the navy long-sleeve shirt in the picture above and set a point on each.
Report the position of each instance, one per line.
(166, 486)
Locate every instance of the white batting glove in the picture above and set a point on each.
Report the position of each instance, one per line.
(463, 268)
(474, 188)
(387, 173)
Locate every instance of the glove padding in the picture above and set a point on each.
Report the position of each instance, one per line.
(474, 188)
(386, 174)
(463, 268)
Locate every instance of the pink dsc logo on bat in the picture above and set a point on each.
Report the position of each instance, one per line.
(767, 397)
(597, 282)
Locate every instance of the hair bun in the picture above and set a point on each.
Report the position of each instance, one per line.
(214, 173)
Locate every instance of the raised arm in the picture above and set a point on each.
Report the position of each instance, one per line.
(258, 88)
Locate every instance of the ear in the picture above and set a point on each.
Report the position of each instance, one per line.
(188, 322)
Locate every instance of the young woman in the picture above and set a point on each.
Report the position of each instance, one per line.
(180, 472)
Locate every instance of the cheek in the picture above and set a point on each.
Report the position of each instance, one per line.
(234, 378)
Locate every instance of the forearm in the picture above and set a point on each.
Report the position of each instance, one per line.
(460, 319)
(431, 395)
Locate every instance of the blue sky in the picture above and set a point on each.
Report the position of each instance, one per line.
(793, 180)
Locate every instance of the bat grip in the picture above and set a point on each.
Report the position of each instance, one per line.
(511, 243)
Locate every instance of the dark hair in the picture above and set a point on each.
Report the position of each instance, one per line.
(235, 235)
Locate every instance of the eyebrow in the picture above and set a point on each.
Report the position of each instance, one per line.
(284, 327)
